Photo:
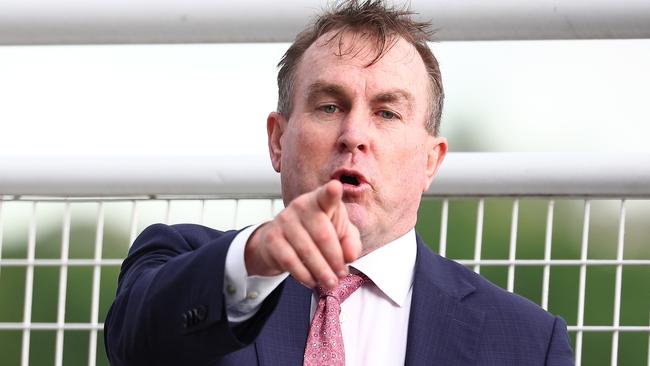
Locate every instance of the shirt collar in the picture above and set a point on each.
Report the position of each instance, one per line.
(399, 257)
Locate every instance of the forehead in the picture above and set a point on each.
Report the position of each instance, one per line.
(345, 60)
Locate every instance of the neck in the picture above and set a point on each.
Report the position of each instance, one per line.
(372, 242)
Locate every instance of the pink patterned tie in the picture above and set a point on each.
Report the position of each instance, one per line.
(325, 341)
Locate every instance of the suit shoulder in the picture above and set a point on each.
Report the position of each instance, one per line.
(491, 297)
(190, 234)
(183, 229)
(197, 232)
(514, 325)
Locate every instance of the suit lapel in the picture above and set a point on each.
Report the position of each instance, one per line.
(283, 339)
(442, 330)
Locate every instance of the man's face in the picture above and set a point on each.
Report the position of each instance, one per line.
(362, 125)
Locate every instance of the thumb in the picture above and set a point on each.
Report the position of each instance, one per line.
(348, 234)
(351, 244)
(329, 197)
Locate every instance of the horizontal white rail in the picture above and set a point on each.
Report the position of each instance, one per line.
(202, 21)
(467, 262)
(554, 262)
(50, 326)
(69, 262)
(100, 326)
(462, 174)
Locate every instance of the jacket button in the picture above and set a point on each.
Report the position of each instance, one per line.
(201, 313)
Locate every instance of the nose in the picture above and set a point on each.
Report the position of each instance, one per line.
(354, 134)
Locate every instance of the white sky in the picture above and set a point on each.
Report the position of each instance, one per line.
(213, 99)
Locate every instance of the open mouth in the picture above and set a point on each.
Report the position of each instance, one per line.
(350, 179)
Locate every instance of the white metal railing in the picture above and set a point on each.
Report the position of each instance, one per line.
(462, 174)
(203, 21)
(206, 182)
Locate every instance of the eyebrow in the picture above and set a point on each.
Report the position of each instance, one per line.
(320, 88)
(396, 96)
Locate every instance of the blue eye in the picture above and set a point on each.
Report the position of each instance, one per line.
(387, 115)
(330, 108)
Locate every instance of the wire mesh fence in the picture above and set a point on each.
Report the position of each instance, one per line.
(584, 259)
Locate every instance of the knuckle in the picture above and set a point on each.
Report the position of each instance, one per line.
(298, 272)
(299, 204)
(321, 235)
(282, 218)
(285, 261)
(304, 203)
(306, 254)
(273, 236)
(323, 276)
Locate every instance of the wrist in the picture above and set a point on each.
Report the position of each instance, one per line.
(252, 254)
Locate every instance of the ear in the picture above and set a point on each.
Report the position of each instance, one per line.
(436, 152)
(275, 125)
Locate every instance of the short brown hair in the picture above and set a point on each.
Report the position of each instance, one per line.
(382, 24)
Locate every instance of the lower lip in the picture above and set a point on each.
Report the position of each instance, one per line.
(355, 190)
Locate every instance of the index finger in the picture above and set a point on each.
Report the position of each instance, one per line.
(329, 197)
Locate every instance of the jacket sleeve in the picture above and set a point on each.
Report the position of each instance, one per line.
(169, 307)
(559, 349)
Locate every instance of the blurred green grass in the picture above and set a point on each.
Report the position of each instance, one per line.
(563, 293)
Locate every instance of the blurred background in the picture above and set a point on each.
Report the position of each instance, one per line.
(189, 99)
(571, 95)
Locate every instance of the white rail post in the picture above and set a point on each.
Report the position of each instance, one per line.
(583, 279)
(133, 226)
(1, 231)
(29, 286)
(617, 290)
(444, 220)
(94, 309)
(547, 253)
(512, 254)
(478, 242)
(63, 285)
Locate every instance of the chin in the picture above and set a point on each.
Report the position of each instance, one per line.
(358, 215)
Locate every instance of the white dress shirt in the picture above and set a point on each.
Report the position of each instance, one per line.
(374, 319)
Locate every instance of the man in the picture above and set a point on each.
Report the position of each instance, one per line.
(356, 142)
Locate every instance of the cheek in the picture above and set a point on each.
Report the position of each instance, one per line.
(298, 142)
(409, 166)
(307, 151)
(314, 143)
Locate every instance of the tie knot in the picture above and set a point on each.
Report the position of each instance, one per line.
(345, 288)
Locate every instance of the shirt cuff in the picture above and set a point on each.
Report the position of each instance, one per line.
(244, 294)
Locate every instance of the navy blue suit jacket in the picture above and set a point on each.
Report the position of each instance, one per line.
(169, 310)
